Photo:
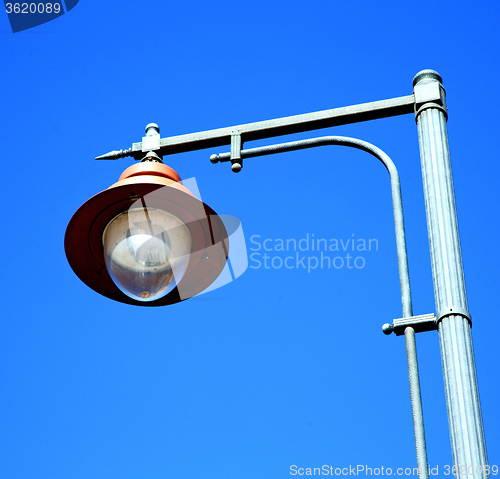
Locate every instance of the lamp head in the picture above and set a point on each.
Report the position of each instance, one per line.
(147, 240)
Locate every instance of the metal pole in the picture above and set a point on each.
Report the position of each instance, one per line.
(416, 403)
(462, 397)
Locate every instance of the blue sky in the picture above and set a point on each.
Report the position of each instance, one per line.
(280, 367)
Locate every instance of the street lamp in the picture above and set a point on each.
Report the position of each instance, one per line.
(452, 319)
(147, 240)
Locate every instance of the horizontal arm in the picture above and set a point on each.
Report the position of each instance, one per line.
(272, 128)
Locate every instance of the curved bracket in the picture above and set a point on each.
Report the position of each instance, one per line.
(397, 202)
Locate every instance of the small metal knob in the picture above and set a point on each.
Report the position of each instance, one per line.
(427, 76)
(387, 328)
(154, 126)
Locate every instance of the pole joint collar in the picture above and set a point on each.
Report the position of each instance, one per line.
(429, 93)
(426, 106)
(453, 311)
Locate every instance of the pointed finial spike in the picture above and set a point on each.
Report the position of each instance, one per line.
(115, 155)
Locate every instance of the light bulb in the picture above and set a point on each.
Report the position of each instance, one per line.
(146, 251)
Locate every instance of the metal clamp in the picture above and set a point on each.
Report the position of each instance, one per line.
(424, 322)
(453, 311)
(236, 144)
(151, 142)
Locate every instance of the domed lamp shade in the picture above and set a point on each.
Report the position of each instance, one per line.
(147, 240)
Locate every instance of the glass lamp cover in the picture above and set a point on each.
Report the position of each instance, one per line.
(146, 252)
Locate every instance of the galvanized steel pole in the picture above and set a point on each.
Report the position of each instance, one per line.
(462, 397)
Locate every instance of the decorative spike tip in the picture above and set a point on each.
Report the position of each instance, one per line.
(115, 155)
